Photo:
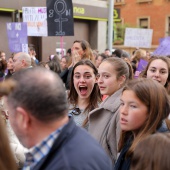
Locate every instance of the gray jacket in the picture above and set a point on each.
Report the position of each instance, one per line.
(104, 124)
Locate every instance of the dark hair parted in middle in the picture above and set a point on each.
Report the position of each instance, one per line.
(163, 58)
(95, 96)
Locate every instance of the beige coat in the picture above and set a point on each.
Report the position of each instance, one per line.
(104, 124)
(16, 147)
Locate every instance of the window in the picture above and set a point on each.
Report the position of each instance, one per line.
(143, 23)
(168, 26)
(118, 1)
(140, 1)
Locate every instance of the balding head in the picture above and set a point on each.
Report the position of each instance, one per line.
(21, 60)
(40, 92)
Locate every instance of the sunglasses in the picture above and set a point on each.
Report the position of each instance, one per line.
(76, 111)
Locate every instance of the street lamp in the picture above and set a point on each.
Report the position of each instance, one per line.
(110, 24)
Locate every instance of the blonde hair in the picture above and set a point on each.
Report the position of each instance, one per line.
(6, 157)
(139, 54)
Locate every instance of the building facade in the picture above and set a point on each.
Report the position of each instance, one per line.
(152, 14)
(90, 23)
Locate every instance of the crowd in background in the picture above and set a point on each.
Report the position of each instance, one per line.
(120, 99)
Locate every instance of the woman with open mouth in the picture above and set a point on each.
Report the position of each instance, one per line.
(104, 121)
(84, 94)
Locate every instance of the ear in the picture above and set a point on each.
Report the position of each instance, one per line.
(122, 80)
(23, 118)
(23, 62)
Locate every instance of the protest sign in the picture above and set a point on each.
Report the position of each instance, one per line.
(60, 18)
(17, 37)
(36, 18)
(138, 37)
(141, 66)
(164, 47)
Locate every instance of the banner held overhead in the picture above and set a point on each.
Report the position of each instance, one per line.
(17, 37)
(60, 18)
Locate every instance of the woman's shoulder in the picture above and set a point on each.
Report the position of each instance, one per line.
(111, 104)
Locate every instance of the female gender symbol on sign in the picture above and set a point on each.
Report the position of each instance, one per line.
(60, 7)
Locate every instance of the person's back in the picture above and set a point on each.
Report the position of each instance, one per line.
(75, 149)
(41, 122)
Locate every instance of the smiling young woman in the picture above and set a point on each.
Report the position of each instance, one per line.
(158, 69)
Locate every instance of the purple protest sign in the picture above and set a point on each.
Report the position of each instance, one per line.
(17, 37)
(141, 66)
(163, 48)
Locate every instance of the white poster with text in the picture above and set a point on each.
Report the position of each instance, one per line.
(36, 19)
(138, 37)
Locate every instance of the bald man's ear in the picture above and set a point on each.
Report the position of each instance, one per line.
(23, 62)
(23, 118)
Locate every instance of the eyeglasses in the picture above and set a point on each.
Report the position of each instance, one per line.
(76, 111)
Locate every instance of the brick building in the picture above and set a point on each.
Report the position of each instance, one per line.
(152, 14)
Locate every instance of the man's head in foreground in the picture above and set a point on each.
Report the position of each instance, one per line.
(37, 105)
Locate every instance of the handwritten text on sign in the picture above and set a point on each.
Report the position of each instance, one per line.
(138, 37)
(17, 37)
(36, 18)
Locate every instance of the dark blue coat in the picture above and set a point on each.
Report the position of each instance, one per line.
(123, 163)
(75, 149)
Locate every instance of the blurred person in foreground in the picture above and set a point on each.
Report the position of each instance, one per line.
(153, 157)
(7, 161)
(40, 120)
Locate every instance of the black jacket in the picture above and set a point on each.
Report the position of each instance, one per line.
(75, 149)
(123, 163)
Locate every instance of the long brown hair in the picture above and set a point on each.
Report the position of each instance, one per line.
(154, 96)
(152, 153)
(95, 96)
(6, 157)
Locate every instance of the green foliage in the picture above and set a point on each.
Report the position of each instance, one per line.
(119, 32)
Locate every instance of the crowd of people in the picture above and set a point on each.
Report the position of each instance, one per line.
(86, 110)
